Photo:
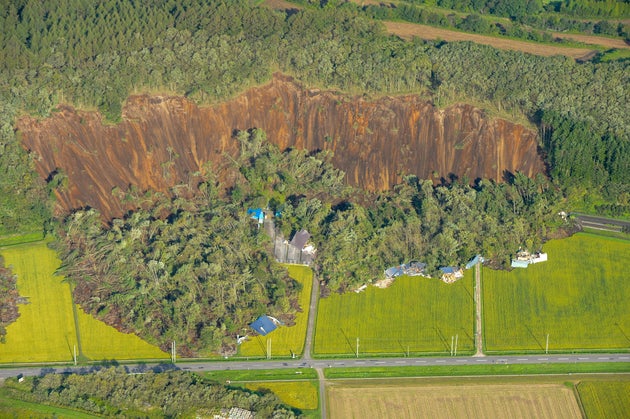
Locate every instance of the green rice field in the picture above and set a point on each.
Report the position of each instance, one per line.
(300, 394)
(285, 340)
(46, 330)
(415, 315)
(579, 298)
(605, 399)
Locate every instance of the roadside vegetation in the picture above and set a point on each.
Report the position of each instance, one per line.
(577, 297)
(114, 392)
(475, 370)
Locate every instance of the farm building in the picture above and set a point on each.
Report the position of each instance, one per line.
(300, 239)
(411, 269)
(264, 325)
(451, 274)
(477, 259)
(523, 259)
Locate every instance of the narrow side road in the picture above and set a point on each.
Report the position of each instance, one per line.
(312, 316)
(322, 392)
(478, 322)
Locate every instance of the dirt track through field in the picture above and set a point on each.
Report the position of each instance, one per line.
(409, 30)
(454, 401)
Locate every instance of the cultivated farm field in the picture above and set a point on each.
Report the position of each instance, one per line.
(415, 315)
(285, 339)
(605, 399)
(578, 297)
(416, 400)
(47, 329)
(299, 394)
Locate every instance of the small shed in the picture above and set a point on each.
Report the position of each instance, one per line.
(263, 325)
(477, 259)
(300, 238)
(519, 263)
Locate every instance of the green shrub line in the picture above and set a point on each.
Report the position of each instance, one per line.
(476, 370)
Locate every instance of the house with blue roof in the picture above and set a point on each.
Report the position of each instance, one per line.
(263, 325)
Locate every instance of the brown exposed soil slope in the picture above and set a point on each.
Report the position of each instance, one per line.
(162, 141)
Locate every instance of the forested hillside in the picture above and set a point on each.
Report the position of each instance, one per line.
(155, 271)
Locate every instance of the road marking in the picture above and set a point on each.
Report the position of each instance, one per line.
(601, 357)
(421, 362)
(481, 360)
(440, 360)
(543, 359)
(379, 362)
(522, 359)
(462, 360)
(360, 362)
(624, 357)
(583, 359)
(400, 362)
(562, 359)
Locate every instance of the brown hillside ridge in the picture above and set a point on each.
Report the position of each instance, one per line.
(163, 141)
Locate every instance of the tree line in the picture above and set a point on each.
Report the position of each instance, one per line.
(114, 392)
(9, 297)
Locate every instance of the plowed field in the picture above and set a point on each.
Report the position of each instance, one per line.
(453, 401)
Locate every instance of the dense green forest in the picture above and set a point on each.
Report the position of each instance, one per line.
(194, 267)
(113, 392)
(8, 299)
(171, 269)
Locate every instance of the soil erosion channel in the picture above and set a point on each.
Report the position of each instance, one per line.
(164, 140)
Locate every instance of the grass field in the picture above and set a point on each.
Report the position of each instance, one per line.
(261, 375)
(285, 340)
(15, 408)
(300, 394)
(578, 297)
(605, 399)
(46, 330)
(415, 315)
(409, 400)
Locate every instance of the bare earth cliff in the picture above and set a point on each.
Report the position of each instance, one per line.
(162, 141)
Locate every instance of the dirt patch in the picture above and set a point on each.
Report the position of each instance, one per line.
(595, 40)
(281, 5)
(165, 140)
(409, 30)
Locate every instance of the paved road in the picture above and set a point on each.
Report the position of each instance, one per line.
(341, 363)
(601, 223)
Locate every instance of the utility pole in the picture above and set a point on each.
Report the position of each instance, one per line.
(547, 345)
(456, 339)
(173, 353)
(75, 355)
(452, 344)
(357, 346)
(268, 348)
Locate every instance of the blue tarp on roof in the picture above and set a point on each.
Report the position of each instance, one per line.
(257, 214)
(263, 325)
(447, 270)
